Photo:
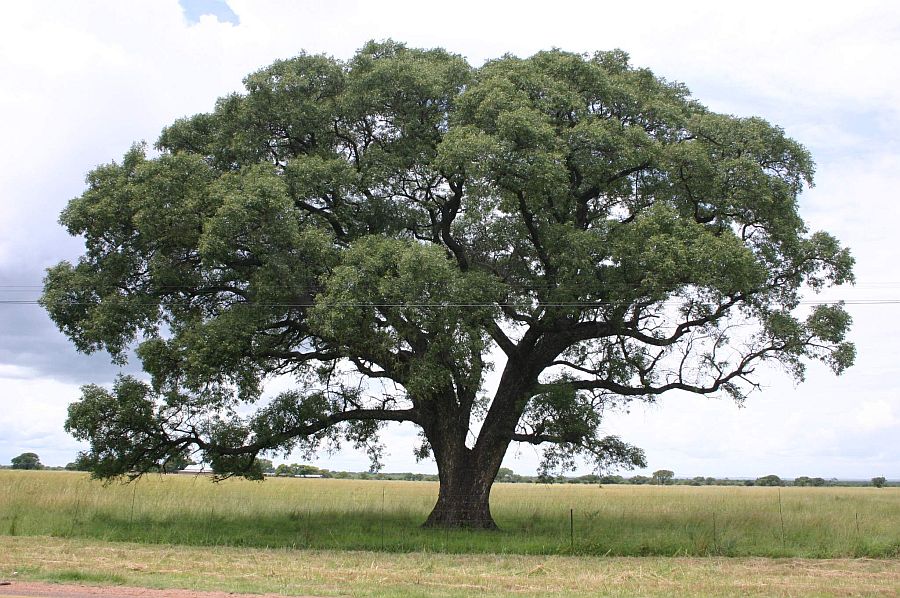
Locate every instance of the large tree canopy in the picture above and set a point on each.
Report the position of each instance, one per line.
(390, 229)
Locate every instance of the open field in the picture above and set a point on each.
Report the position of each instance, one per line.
(378, 574)
(326, 514)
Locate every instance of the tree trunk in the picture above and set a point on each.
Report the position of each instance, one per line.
(463, 498)
(467, 474)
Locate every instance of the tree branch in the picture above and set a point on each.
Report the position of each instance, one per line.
(398, 415)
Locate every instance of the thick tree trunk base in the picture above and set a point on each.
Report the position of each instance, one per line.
(465, 483)
(462, 510)
(459, 521)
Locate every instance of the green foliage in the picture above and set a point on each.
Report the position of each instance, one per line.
(663, 476)
(590, 478)
(27, 461)
(769, 480)
(505, 474)
(878, 482)
(807, 481)
(380, 228)
(266, 465)
(126, 430)
(299, 470)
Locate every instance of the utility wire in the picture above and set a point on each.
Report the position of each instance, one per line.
(535, 285)
(596, 304)
(32, 288)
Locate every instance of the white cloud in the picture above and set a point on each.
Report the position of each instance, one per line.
(876, 415)
(32, 418)
(16, 372)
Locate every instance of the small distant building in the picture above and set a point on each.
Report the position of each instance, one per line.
(195, 469)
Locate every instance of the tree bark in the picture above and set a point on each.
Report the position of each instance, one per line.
(464, 495)
(467, 474)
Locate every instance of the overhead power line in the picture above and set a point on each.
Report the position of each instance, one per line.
(455, 305)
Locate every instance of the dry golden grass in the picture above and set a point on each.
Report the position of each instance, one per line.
(375, 574)
(534, 519)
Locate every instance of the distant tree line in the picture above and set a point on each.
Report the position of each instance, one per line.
(661, 477)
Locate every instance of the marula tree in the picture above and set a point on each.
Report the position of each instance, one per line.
(389, 229)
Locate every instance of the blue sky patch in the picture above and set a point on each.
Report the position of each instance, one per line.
(194, 9)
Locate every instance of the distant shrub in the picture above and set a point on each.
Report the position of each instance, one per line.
(27, 461)
(769, 480)
(663, 476)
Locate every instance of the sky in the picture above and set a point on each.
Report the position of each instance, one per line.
(83, 81)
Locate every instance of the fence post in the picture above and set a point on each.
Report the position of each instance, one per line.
(715, 535)
(572, 529)
(133, 496)
(781, 514)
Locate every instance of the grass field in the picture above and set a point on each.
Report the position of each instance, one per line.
(326, 514)
(420, 574)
